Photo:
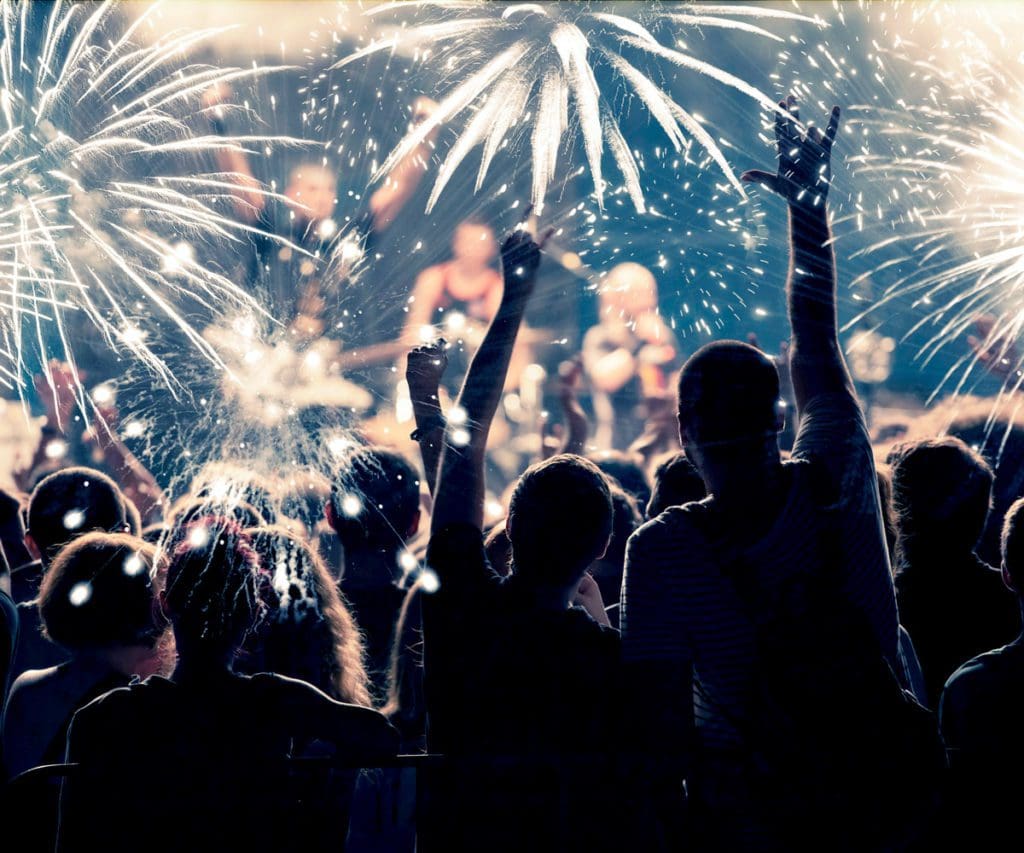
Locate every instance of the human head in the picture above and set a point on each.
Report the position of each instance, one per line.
(309, 633)
(70, 503)
(625, 469)
(629, 290)
(941, 492)
(626, 518)
(213, 592)
(313, 187)
(375, 500)
(676, 482)
(559, 520)
(1012, 547)
(728, 399)
(473, 243)
(98, 594)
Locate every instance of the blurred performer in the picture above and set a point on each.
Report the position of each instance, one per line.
(457, 300)
(294, 279)
(628, 355)
(465, 288)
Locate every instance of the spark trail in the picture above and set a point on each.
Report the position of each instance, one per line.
(521, 65)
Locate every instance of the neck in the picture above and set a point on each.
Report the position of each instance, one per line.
(366, 561)
(739, 476)
(201, 667)
(127, 660)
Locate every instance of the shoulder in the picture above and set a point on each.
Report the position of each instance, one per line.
(32, 679)
(984, 674)
(432, 278)
(676, 525)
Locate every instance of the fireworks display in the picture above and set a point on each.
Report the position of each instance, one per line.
(118, 216)
(107, 187)
(521, 64)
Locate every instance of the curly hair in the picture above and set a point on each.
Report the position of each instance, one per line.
(310, 633)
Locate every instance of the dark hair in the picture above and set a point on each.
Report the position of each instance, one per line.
(941, 492)
(559, 519)
(309, 633)
(728, 392)
(676, 482)
(1012, 544)
(625, 469)
(71, 502)
(98, 592)
(213, 593)
(374, 499)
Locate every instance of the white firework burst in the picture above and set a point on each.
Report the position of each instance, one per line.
(105, 183)
(521, 66)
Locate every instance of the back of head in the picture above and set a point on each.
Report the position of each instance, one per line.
(71, 502)
(1012, 545)
(98, 593)
(728, 393)
(941, 492)
(309, 633)
(213, 590)
(559, 520)
(375, 500)
(676, 482)
(625, 469)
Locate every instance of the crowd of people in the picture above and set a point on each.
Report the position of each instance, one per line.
(709, 641)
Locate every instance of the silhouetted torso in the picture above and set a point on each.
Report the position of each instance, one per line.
(953, 609)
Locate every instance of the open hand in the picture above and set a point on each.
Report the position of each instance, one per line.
(805, 161)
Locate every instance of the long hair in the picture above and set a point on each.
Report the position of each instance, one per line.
(311, 633)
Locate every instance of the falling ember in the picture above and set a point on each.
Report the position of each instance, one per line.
(525, 62)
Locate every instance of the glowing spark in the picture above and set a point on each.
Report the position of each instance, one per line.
(80, 593)
(552, 53)
(351, 505)
(73, 519)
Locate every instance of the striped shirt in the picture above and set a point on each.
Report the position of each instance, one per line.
(683, 622)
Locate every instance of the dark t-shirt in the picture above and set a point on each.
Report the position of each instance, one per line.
(524, 699)
(204, 764)
(953, 610)
(296, 261)
(981, 716)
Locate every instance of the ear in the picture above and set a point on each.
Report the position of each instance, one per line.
(32, 548)
(1007, 580)
(780, 415)
(329, 514)
(414, 526)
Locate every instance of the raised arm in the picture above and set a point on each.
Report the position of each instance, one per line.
(803, 180)
(460, 488)
(246, 194)
(423, 372)
(399, 185)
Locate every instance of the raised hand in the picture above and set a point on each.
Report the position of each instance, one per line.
(997, 353)
(520, 257)
(58, 391)
(426, 366)
(805, 160)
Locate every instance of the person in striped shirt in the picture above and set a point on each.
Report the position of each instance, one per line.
(686, 628)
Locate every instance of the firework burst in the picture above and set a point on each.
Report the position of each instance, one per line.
(105, 186)
(521, 65)
(940, 196)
